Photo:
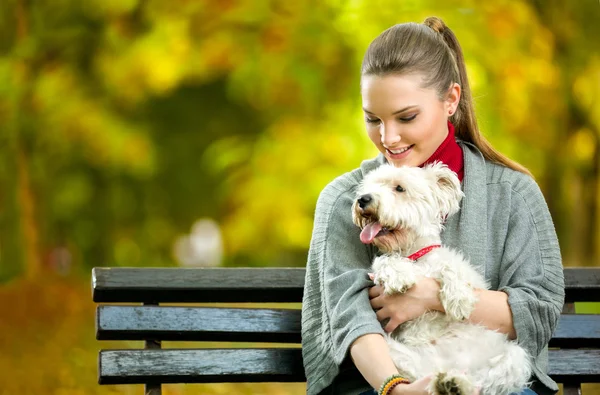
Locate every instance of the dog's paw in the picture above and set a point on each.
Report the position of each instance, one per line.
(458, 302)
(393, 275)
(451, 384)
(460, 311)
(395, 285)
(393, 282)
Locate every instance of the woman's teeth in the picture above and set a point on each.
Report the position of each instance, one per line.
(399, 151)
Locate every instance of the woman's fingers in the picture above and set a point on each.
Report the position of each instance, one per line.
(391, 325)
(375, 291)
(382, 314)
(394, 320)
(377, 303)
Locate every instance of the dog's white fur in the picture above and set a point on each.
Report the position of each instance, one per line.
(460, 356)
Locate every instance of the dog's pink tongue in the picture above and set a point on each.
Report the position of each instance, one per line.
(369, 232)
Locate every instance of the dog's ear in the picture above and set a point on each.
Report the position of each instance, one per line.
(448, 192)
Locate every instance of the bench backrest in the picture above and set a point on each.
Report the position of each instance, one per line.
(577, 336)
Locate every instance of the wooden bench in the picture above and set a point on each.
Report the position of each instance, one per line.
(574, 355)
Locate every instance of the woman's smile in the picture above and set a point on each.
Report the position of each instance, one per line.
(399, 153)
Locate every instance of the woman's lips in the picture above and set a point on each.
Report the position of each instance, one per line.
(399, 153)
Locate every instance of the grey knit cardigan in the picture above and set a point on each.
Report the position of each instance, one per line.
(503, 227)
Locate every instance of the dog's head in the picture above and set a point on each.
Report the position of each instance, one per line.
(395, 206)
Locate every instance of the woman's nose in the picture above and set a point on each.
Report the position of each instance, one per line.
(390, 136)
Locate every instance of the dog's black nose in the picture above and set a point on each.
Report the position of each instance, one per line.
(364, 200)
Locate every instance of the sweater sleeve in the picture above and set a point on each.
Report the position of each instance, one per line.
(336, 309)
(532, 272)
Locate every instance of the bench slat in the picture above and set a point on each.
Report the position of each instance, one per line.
(191, 285)
(200, 366)
(272, 365)
(574, 366)
(197, 285)
(582, 284)
(265, 325)
(197, 324)
(577, 331)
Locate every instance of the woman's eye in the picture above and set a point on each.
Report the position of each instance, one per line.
(408, 119)
(372, 120)
(399, 189)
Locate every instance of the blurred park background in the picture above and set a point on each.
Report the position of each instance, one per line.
(200, 132)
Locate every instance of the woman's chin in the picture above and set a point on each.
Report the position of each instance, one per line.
(409, 161)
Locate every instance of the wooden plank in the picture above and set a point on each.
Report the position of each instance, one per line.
(200, 366)
(189, 285)
(582, 284)
(272, 365)
(197, 324)
(570, 366)
(577, 331)
(266, 325)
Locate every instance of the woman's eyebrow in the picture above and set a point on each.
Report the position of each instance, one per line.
(395, 112)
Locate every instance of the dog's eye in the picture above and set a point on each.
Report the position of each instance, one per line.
(399, 189)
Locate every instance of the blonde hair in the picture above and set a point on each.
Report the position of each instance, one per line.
(432, 50)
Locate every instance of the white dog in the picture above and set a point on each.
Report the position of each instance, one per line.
(402, 211)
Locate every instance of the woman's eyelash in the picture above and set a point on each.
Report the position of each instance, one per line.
(375, 120)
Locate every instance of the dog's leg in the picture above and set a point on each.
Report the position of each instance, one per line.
(394, 273)
(509, 373)
(451, 383)
(457, 282)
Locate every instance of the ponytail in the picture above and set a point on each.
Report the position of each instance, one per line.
(464, 119)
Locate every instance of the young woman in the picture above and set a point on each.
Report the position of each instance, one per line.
(418, 109)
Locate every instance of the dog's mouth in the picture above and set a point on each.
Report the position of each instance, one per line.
(372, 230)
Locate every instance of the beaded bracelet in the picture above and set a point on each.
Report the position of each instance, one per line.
(390, 383)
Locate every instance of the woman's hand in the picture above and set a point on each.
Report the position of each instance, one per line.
(419, 387)
(400, 308)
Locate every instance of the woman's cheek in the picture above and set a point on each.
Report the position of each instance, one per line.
(373, 134)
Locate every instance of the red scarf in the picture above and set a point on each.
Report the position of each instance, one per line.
(450, 153)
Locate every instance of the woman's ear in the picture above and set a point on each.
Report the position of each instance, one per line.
(452, 98)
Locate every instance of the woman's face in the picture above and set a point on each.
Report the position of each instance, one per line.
(406, 122)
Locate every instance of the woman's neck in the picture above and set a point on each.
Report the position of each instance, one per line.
(449, 153)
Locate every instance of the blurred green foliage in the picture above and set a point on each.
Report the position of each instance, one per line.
(124, 122)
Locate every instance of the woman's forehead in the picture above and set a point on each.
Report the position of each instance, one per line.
(394, 93)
